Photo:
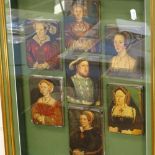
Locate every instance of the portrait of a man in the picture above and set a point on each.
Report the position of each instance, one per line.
(85, 131)
(43, 45)
(126, 110)
(46, 101)
(83, 79)
(81, 28)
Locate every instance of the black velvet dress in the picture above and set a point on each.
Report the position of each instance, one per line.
(126, 123)
(89, 141)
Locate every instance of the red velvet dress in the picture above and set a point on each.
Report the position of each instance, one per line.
(47, 52)
(52, 114)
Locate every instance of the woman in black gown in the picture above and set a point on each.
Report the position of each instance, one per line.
(124, 116)
(87, 140)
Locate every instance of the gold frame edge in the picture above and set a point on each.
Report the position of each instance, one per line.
(152, 9)
(9, 138)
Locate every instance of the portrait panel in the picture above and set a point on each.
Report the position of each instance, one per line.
(124, 51)
(83, 77)
(126, 109)
(46, 100)
(43, 44)
(85, 131)
(82, 18)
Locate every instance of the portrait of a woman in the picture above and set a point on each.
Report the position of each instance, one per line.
(124, 116)
(122, 61)
(86, 139)
(78, 31)
(47, 110)
(41, 52)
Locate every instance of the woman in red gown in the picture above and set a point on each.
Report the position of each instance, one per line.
(42, 53)
(47, 110)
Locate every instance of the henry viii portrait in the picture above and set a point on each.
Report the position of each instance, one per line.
(81, 87)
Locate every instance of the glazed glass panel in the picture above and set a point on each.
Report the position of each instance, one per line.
(80, 76)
